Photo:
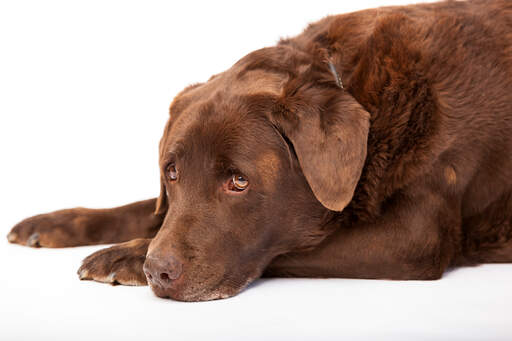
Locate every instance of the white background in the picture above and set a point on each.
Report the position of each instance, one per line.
(84, 93)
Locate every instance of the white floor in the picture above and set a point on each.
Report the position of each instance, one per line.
(42, 298)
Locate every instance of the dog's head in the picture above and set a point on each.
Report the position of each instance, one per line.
(251, 163)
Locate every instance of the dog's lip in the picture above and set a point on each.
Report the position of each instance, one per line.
(176, 295)
(214, 292)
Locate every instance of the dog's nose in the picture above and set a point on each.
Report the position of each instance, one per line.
(162, 271)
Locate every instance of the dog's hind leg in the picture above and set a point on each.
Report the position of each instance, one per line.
(83, 226)
(501, 254)
(489, 234)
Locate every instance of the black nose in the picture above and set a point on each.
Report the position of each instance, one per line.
(162, 271)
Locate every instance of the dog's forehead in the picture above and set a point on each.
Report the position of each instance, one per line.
(217, 127)
(251, 75)
(221, 108)
(237, 81)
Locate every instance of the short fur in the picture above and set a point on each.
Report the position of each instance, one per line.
(400, 174)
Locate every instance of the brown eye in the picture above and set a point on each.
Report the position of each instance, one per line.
(238, 183)
(172, 173)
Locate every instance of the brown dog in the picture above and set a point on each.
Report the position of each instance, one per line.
(375, 144)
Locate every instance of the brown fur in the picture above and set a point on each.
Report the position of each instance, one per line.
(401, 174)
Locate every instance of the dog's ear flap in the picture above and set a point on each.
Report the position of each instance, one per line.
(161, 201)
(329, 135)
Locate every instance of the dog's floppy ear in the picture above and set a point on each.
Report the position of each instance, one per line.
(328, 130)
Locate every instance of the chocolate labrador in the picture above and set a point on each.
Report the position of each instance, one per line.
(375, 144)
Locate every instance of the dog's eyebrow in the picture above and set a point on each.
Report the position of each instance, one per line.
(167, 157)
(173, 151)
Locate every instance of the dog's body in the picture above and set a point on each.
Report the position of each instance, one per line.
(376, 144)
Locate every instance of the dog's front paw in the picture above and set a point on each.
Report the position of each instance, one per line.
(119, 264)
(57, 229)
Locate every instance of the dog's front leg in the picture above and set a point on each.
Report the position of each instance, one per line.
(119, 264)
(83, 226)
(415, 239)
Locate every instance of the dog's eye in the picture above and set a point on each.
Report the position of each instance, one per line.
(238, 183)
(171, 171)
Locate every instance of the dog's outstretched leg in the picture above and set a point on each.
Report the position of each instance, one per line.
(83, 226)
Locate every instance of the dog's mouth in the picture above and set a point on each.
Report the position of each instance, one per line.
(224, 288)
(203, 279)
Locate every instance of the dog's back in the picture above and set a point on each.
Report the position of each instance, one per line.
(440, 77)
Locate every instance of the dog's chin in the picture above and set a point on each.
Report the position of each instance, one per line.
(215, 292)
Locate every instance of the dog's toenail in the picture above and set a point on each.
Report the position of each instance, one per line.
(111, 278)
(33, 240)
(83, 274)
(12, 236)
